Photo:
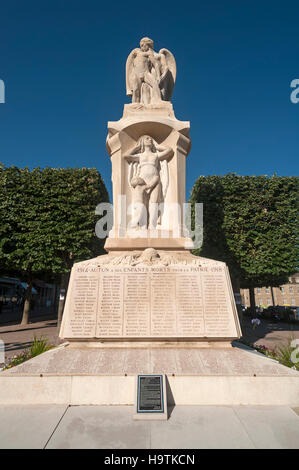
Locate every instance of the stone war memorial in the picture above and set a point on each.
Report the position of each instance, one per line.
(149, 290)
(149, 306)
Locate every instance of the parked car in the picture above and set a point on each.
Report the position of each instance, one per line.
(279, 313)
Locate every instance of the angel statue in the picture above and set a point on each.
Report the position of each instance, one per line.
(150, 76)
(148, 176)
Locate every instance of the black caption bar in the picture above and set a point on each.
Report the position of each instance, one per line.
(135, 459)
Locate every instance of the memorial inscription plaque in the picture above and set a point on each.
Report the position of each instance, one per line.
(150, 394)
(175, 301)
(151, 397)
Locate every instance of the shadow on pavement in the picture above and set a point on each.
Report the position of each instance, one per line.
(267, 329)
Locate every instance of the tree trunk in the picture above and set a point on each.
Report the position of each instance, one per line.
(55, 300)
(237, 296)
(62, 296)
(252, 300)
(28, 295)
(272, 294)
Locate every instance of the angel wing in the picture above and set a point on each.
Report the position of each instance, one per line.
(129, 71)
(168, 74)
(164, 177)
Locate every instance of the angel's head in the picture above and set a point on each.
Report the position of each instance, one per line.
(146, 44)
(146, 141)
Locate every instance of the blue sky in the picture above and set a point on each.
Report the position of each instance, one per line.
(63, 64)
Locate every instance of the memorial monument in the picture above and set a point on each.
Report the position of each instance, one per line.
(149, 307)
(149, 288)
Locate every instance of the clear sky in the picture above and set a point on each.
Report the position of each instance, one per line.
(63, 64)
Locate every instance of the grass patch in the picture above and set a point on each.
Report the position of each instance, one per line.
(39, 346)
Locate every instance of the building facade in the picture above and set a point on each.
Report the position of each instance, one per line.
(12, 298)
(287, 294)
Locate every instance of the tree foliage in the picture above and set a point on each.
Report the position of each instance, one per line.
(251, 223)
(48, 217)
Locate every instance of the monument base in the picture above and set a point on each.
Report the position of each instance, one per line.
(169, 244)
(143, 344)
(195, 376)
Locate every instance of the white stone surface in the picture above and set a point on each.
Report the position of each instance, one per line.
(202, 427)
(103, 427)
(197, 362)
(28, 427)
(27, 390)
(149, 295)
(270, 427)
(107, 376)
(102, 390)
(100, 427)
(234, 390)
(197, 427)
(161, 165)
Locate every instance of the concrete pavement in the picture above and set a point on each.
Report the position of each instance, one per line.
(18, 337)
(113, 427)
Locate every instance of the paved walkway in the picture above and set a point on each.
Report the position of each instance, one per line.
(188, 427)
(18, 337)
(269, 333)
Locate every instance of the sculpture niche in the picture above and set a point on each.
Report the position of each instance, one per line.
(150, 76)
(148, 178)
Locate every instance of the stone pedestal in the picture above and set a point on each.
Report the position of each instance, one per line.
(159, 122)
(150, 296)
(107, 376)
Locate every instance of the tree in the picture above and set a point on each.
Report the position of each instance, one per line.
(251, 223)
(48, 220)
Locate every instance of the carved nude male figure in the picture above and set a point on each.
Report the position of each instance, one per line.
(148, 155)
(150, 75)
(145, 76)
